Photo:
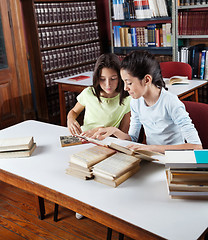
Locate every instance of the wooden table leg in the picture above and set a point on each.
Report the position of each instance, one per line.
(109, 234)
(40, 207)
(62, 105)
(55, 216)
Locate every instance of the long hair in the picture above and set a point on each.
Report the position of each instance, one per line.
(141, 63)
(108, 60)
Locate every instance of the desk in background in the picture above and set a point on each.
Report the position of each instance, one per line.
(139, 208)
(183, 91)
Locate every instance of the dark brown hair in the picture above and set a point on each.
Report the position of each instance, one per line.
(108, 60)
(141, 63)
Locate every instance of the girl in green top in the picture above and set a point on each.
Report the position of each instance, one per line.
(105, 103)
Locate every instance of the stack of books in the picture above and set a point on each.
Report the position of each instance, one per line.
(17, 147)
(81, 163)
(110, 164)
(187, 173)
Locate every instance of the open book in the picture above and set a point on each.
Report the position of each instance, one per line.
(142, 154)
(179, 80)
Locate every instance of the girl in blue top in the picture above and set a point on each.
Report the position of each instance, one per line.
(166, 123)
(105, 103)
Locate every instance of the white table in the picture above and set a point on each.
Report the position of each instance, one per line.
(139, 208)
(182, 91)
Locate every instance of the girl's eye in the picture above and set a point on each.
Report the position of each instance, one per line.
(102, 79)
(114, 78)
(128, 83)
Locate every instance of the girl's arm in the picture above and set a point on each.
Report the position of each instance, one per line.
(72, 123)
(163, 148)
(125, 122)
(103, 133)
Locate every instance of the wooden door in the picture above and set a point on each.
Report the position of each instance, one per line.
(10, 110)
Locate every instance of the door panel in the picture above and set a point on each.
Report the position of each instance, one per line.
(10, 110)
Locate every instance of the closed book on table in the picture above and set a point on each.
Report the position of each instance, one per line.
(186, 158)
(12, 144)
(18, 153)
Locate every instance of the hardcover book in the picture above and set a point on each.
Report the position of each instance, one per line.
(18, 153)
(13, 144)
(186, 158)
(71, 140)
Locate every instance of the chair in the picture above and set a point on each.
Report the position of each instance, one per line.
(198, 112)
(169, 69)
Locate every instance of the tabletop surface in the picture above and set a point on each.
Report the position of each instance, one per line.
(142, 200)
(175, 89)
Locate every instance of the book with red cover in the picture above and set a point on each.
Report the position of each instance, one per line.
(79, 78)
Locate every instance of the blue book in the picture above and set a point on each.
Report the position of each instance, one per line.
(203, 57)
(186, 158)
(117, 39)
(134, 37)
(151, 28)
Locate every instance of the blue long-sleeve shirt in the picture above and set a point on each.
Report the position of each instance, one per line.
(165, 123)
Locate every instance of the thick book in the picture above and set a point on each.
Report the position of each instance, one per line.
(91, 156)
(186, 158)
(118, 180)
(71, 140)
(116, 165)
(18, 153)
(188, 176)
(13, 144)
(179, 80)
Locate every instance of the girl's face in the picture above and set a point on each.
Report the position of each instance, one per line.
(133, 85)
(108, 82)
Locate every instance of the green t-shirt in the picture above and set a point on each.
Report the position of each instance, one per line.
(108, 113)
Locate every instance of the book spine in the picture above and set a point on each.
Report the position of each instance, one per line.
(151, 35)
(203, 57)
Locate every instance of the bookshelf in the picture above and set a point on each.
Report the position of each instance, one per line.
(139, 24)
(63, 39)
(188, 26)
(190, 38)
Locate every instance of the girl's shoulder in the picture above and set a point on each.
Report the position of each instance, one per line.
(88, 91)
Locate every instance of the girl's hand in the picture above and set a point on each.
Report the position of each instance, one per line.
(103, 133)
(74, 127)
(140, 147)
(91, 132)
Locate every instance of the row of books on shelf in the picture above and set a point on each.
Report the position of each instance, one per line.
(192, 2)
(197, 57)
(151, 36)
(139, 9)
(60, 12)
(192, 23)
(65, 57)
(187, 174)
(68, 34)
